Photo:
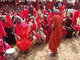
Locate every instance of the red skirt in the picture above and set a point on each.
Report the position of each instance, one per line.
(24, 44)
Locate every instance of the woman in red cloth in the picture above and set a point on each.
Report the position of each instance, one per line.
(7, 24)
(62, 11)
(2, 31)
(23, 31)
(45, 24)
(48, 5)
(34, 28)
(31, 11)
(3, 46)
(74, 21)
(38, 6)
(69, 27)
(56, 34)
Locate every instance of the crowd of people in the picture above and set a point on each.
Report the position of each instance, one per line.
(36, 23)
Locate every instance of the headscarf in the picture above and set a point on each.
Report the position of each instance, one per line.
(9, 22)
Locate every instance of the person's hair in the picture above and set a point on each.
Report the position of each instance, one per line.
(31, 10)
(56, 11)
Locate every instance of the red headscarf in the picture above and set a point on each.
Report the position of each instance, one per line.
(2, 31)
(38, 6)
(48, 5)
(17, 28)
(25, 13)
(9, 22)
(76, 15)
(18, 2)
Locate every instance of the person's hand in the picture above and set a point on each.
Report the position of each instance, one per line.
(69, 28)
(53, 27)
(34, 32)
(31, 35)
(39, 12)
(19, 38)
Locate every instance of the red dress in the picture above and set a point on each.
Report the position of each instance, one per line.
(24, 33)
(56, 35)
(48, 5)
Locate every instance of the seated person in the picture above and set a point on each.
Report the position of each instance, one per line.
(23, 32)
(69, 27)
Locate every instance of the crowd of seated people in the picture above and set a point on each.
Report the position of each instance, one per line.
(26, 25)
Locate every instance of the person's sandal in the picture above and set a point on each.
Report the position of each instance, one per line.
(53, 54)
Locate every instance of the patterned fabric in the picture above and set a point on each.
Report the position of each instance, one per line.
(56, 35)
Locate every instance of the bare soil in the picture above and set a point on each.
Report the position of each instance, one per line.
(69, 49)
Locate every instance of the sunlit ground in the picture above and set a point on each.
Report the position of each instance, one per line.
(69, 50)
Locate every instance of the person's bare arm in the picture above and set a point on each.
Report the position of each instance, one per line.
(44, 25)
(19, 38)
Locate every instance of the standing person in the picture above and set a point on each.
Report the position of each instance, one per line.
(56, 34)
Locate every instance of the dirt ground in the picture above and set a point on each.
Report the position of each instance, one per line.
(69, 49)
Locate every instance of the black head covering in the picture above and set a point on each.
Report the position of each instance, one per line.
(31, 10)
